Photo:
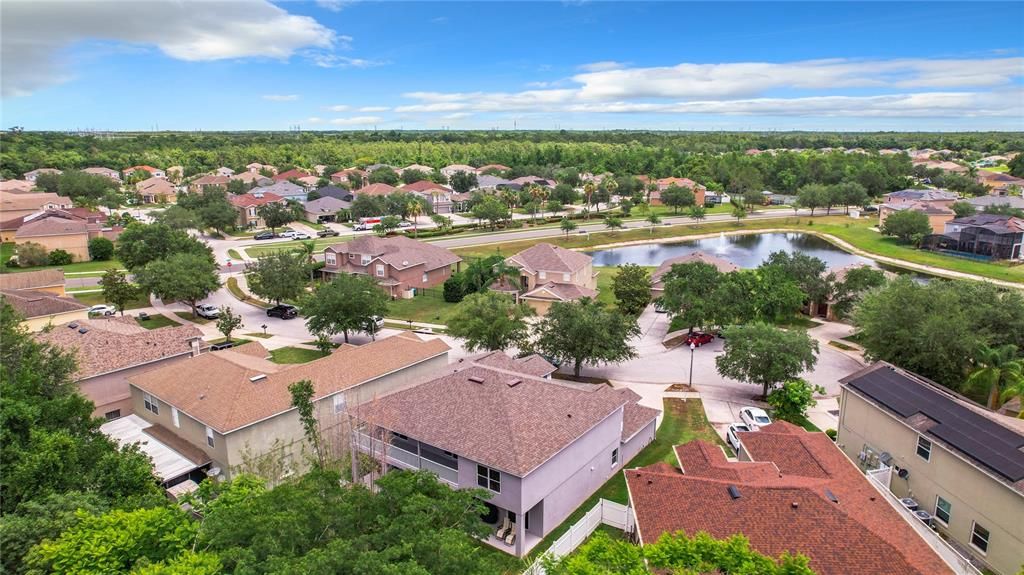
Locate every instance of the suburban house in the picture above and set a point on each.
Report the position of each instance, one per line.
(252, 179)
(658, 283)
(48, 281)
(984, 236)
(325, 209)
(175, 173)
(235, 406)
(791, 491)
(256, 168)
(285, 189)
(417, 168)
(31, 176)
(308, 182)
(56, 229)
(548, 274)
(958, 465)
(936, 204)
(100, 171)
(156, 191)
(342, 177)
(222, 171)
(489, 182)
(493, 168)
(154, 172)
(200, 185)
(16, 186)
(289, 174)
(378, 189)
(400, 265)
(9, 228)
(943, 165)
(110, 350)
(452, 169)
(540, 447)
(439, 197)
(248, 206)
(18, 205)
(336, 192)
(982, 202)
(179, 465)
(998, 183)
(41, 309)
(665, 183)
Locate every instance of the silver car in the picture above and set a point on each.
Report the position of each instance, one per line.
(208, 311)
(731, 436)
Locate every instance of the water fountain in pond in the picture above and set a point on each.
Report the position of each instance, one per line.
(723, 244)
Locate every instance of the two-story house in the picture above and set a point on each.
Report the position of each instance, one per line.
(153, 172)
(439, 197)
(936, 204)
(31, 176)
(201, 184)
(400, 265)
(540, 447)
(105, 172)
(156, 191)
(248, 206)
(658, 277)
(549, 274)
(235, 405)
(959, 464)
(665, 183)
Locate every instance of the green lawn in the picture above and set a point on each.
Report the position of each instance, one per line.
(294, 355)
(427, 309)
(259, 335)
(7, 250)
(187, 315)
(156, 322)
(684, 421)
(233, 254)
(321, 243)
(96, 298)
(235, 290)
(1002, 169)
(235, 340)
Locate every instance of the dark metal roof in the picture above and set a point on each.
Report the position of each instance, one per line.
(971, 433)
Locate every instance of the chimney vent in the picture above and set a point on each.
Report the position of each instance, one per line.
(514, 382)
(476, 379)
(794, 505)
(83, 330)
(258, 377)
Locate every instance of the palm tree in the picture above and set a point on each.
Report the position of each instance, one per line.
(588, 190)
(651, 187)
(998, 368)
(654, 220)
(307, 249)
(542, 196)
(739, 211)
(415, 210)
(612, 186)
(1014, 390)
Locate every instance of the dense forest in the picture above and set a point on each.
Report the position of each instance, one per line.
(659, 154)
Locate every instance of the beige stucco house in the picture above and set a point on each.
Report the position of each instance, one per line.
(41, 309)
(549, 274)
(401, 265)
(952, 459)
(18, 205)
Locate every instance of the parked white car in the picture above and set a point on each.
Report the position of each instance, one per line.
(731, 436)
(288, 234)
(754, 417)
(207, 311)
(301, 236)
(102, 309)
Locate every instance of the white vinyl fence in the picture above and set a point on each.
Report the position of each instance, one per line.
(607, 512)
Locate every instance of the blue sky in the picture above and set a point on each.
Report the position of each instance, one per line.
(252, 64)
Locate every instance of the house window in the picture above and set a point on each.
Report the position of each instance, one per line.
(488, 478)
(543, 275)
(209, 436)
(151, 404)
(174, 417)
(615, 457)
(252, 212)
(112, 415)
(380, 270)
(330, 259)
(979, 537)
(943, 510)
(924, 448)
(424, 277)
(339, 403)
(365, 259)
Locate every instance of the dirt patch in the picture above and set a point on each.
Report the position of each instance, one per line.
(679, 387)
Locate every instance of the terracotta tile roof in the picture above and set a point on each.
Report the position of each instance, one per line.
(399, 252)
(216, 388)
(211, 181)
(424, 186)
(149, 169)
(532, 364)
(680, 183)
(293, 173)
(549, 258)
(862, 533)
(499, 167)
(30, 304)
(559, 292)
(723, 265)
(32, 280)
(113, 344)
(378, 189)
(483, 414)
(255, 199)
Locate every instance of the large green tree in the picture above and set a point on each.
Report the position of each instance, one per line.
(765, 355)
(856, 282)
(117, 289)
(276, 215)
(584, 331)
(140, 244)
(490, 321)
(689, 293)
(907, 226)
(277, 276)
(806, 271)
(347, 303)
(188, 278)
(632, 289)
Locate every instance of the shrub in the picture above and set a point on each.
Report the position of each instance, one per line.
(31, 254)
(101, 249)
(59, 258)
(454, 291)
(832, 434)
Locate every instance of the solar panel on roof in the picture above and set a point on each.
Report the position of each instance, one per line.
(980, 438)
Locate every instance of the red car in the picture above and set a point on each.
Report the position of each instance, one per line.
(698, 339)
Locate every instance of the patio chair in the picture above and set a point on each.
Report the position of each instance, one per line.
(506, 527)
(510, 539)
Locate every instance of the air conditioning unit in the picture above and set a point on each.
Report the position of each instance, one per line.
(909, 503)
(885, 458)
(924, 516)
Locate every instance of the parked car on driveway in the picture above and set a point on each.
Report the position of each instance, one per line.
(283, 311)
(287, 234)
(754, 417)
(731, 436)
(699, 338)
(264, 236)
(207, 311)
(326, 233)
(102, 309)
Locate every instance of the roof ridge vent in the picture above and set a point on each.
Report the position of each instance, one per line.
(73, 325)
(514, 382)
(734, 492)
(258, 377)
(83, 330)
(476, 379)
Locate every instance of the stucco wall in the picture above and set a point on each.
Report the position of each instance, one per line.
(75, 244)
(111, 391)
(188, 428)
(639, 441)
(974, 495)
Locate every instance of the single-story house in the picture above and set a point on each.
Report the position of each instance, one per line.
(107, 172)
(31, 176)
(325, 209)
(41, 309)
(156, 191)
(657, 278)
(48, 281)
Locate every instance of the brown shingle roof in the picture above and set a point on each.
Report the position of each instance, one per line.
(723, 265)
(559, 292)
(634, 416)
(532, 364)
(212, 181)
(255, 198)
(216, 389)
(399, 252)
(113, 344)
(53, 225)
(549, 258)
(491, 419)
(30, 304)
(378, 189)
(31, 201)
(424, 186)
(32, 280)
(862, 533)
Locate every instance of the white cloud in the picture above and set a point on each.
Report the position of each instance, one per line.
(374, 109)
(281, 97)
(456, 116)
(328, 60)
(357, 121)
(338, 108)
(603, 66)
(35, 34)
(333, 5)
(314, 120)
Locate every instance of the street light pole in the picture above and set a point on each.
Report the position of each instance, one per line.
(692, 347)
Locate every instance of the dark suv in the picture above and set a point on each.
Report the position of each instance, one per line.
(283, 311)
(264, 236)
